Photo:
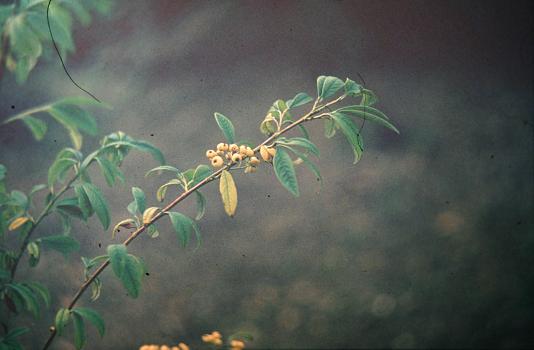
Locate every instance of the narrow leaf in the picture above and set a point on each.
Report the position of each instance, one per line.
(228, 192)
(79, 330)
(93, 317)
(285, 172)
(61, 243)
(98, 203)
(226, 127)
(140, 200)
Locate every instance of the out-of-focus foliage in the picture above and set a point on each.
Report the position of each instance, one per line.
(26, 35)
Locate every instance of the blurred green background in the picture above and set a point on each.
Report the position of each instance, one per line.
(427, 242)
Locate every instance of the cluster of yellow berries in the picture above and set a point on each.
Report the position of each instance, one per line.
(235, 154)
(181, 346)
(215, 338)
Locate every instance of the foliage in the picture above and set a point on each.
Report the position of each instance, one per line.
(72, 195)
(26, 35)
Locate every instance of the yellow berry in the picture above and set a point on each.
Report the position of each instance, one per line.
(250, 152)
(164, 347)
(272, 151)
(243, 150)
(222, 147)
(247, 169)
(220, 153)
(234, 148)
(265, 153)
(217, 342)
(210, 153)
(236, 157)
(254, 161)
(217, 162)
(182, 346)
(175, 348)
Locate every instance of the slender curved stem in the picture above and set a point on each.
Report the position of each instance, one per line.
(42, 215)
(83, 287)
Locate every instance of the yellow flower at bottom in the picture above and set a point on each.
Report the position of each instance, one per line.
(237, 344)
(183, 346)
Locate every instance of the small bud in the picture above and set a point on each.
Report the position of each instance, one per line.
(236, 157)
(234, 148)
(52, 329)
(265, 154)
(210, 153)
(254, 161)
(217, 162)
(250, 152)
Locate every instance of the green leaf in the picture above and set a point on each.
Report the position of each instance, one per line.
(36, 126)
(285, 172)
(37, 188)
(226, 127)
(161, 168)
(162, 190)
(368, 98)
(140, 200)
(201, 205)
(83, 201)
(27, 297)
(329, 128)
(62, 318)
(74, 117)
(19, 199)
(98, 203)
(300, 99)
(300, 142)
(61, 243)
(93, 317)
(58, 169)
(41, 290)
(351, 132)
(304, 131)
(327, 86)
(79, 330)
(352, 88)
(182, 226)
(127, 268)
(109, 170)
(70, 206)
(313, 168)
(22, 40)
(146, 146)
(369, 113)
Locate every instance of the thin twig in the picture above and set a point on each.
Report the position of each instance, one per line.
(40, 218)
